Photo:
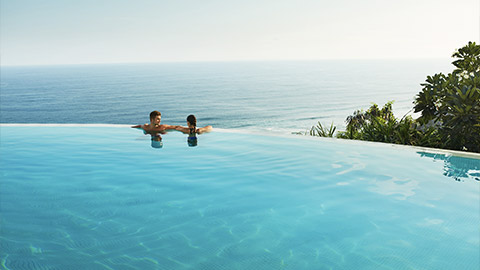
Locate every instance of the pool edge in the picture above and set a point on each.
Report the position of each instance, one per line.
(272, 134)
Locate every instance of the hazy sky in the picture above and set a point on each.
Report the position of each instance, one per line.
(120, 31)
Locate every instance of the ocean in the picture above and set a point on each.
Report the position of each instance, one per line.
(279, 97)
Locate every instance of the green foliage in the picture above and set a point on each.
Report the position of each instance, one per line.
(405, 131)
(375, 124)
(449, 106)
(429, 99)
(468, 58)
(452, 102)
(354, 124)
(320, 131)
(460, 128)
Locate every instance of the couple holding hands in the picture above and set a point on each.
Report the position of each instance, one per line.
(155, 129)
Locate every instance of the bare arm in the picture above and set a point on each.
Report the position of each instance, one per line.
(185, 130)
(204, 129)
(137, 126)
(168, 127)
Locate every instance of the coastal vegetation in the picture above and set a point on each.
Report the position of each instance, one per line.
(449, 108)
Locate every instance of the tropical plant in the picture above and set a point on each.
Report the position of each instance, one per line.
(354, 124)
(452, 102)
(449, 106)
(320, 131)
(429, 99)
(405, 131)
(468, 58)
(375, 124)
(459, 114)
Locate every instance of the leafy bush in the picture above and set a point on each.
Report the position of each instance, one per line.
(320, 131)
(452, 102)
(449, 106)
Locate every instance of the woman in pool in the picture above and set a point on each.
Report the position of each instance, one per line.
(192, 130)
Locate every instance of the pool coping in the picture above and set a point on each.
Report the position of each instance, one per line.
(373, 143)
(273, 134)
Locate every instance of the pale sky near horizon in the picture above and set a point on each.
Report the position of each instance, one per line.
(34, 32)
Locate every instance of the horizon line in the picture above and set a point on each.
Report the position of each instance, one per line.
(228, 61)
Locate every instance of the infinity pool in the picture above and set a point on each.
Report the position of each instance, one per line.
(101, 197)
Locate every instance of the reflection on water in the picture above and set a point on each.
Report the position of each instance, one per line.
(192, 141)
(400, 188)
(157, 142)
(459, 168)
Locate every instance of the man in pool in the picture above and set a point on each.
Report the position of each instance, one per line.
(154, 128)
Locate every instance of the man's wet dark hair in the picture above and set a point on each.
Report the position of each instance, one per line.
(154, 114)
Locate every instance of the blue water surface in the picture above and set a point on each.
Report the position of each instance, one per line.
(280, 96)
(79, 197)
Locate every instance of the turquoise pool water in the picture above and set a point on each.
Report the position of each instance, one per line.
(79, 197)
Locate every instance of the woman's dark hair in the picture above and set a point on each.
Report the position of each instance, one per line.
(193, 121)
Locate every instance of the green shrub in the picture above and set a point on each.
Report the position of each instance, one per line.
(449, 106)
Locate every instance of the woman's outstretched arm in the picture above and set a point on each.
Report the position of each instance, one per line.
(204, 129)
